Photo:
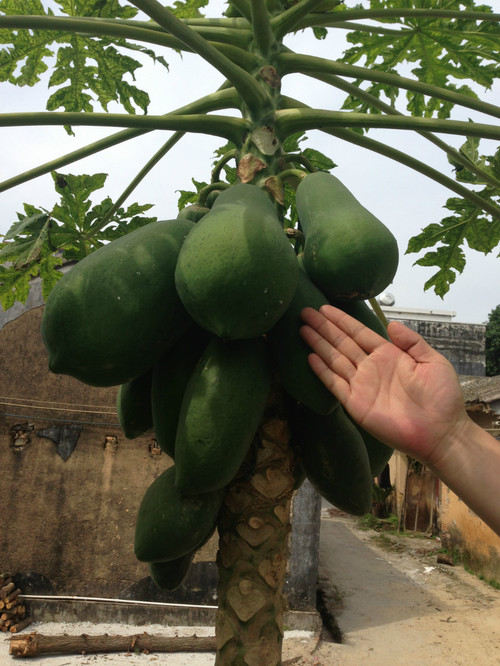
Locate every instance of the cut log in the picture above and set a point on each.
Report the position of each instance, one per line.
(33, 644)
(19, 626)
(6, 590)
(12, 595)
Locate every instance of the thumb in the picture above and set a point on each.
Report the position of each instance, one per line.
(411, 342)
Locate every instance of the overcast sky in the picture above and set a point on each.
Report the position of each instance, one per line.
(401, 198)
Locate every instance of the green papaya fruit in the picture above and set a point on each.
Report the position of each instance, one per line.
(291, 352)
(170, 377)
(334, 458)
(220, 413)
(379, 453)
(169, 524)
(111, 316)
(133, 405)
(237, 272)
(193, 212)
(363, 313)
(171, 575)
(348, 252)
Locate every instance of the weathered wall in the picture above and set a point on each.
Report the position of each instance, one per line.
(72, 521)
(462, 344)
(461, 529)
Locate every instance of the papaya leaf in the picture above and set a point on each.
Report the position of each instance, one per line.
(318, 159)
(292, 143)
(39, 242)
(439, 51)
(32, 223)
(15, 284)
(75, 202)
(467, 226)
(49, 263)
(189, 196)
(489, 165)
(86, 71)
(188, 8)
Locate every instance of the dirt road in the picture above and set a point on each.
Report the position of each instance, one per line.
(395, 605)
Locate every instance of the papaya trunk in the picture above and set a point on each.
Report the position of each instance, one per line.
(254, 527)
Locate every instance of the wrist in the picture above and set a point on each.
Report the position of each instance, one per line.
(453, 453)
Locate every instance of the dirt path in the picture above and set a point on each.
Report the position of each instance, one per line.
(394, 604)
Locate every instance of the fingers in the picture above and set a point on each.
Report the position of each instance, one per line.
(411, 342)
(342, 331)
(336, 352)
(333, 382)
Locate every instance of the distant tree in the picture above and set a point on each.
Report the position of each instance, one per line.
(493, 343)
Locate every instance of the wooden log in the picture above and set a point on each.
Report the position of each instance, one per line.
(9, 605)
(18, 610)
(33, 644)
(5, 590)
(19, 626)
(13, 595)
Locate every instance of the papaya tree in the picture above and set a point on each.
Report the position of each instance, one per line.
(212, 297)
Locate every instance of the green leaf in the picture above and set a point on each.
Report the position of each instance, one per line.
(87, 70)
(467, 226)
(188, 8)
(318, 159)
(189, 196)
(15, 285)
(292, 143)
(38, 243)
(33, 223)
(439, 51)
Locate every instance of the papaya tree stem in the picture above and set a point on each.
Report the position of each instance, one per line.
(254, 528)
(453, 153)
(332, 18)
(378, 311)
(288, 20)
(289, 62)
(137, 30)
(224, 126)
(290, 121)
(243, 6)
(262, 29)
(227, 157)
(253, 95)
(223, 98)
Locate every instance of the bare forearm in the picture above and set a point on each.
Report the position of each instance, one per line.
(470, 467)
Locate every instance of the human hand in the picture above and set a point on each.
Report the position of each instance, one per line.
(403, 392)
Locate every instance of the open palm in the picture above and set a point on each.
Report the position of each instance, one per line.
(403, 392)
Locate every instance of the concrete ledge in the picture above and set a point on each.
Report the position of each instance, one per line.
(82, 609)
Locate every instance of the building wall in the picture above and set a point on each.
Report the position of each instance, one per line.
(73, 520)
(462, 344)
(419, 494)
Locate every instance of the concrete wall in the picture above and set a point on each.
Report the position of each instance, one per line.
(462, 531)
(462, 344)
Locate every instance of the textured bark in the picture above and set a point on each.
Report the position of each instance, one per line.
(254, 528)
(32, 645)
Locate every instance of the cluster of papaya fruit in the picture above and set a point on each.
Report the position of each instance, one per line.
(193, 319)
